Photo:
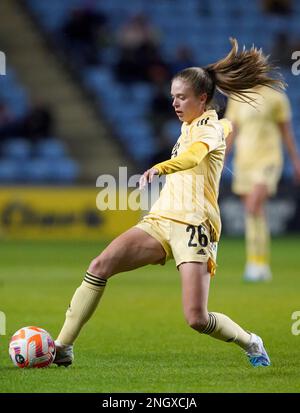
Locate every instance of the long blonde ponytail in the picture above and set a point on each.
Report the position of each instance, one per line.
(234, 75)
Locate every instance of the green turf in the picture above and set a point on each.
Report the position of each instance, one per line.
(138, 340)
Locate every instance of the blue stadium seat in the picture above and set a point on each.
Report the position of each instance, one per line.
(65, 171)
(172, 129)
(10, 171)
(142, 93)
(37, 171)
(143, 151)
(16, 148)
(50, 149)
(61, 171)
(99, 79)
(13, 94)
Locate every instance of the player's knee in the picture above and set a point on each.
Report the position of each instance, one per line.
(197, 320)
(254, 205)
(250, 207)
(99, 266)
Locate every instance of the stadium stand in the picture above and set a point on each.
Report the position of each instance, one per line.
(50, 81)
(29, 158)
(202, 26)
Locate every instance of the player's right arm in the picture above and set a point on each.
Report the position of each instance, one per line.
(204, 141)
(186, 160)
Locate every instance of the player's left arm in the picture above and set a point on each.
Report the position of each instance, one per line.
(186, 160)
(290, 144)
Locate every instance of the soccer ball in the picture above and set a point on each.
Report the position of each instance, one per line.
(32, 347)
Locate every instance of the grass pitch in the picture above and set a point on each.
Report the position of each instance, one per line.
(138, 340)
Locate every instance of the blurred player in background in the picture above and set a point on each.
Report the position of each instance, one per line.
(258, 131)
(190, 234)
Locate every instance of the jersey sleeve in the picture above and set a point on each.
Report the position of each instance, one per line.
(186, 160)
(282, 110)
(227, 126)
(210, 134)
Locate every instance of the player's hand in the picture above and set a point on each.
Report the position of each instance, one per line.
(147, 177)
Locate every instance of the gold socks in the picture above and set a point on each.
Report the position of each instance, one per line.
(83, 305)
(223, 328)
(257, 239)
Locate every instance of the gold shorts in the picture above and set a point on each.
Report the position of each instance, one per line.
(181, 241)
(245, 179)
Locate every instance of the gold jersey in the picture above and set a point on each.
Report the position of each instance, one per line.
(258, 140)
(191, 196)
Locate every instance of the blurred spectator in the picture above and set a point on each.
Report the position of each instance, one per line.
(130, 68)
(281, 7)
(158, 70)
(36, 124)
(163, 149)
(140, 58)
(5, 115)
(161, 109)
(145, 65)
(184, 58)
(137, 33)
(84, 32)
(282, 49)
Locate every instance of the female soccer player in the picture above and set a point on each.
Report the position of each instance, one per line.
(182, 224)
(257, 167)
